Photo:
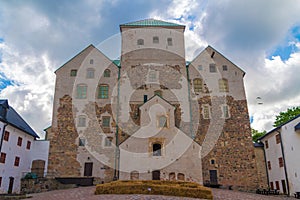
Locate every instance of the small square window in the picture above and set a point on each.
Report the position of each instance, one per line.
(152, 76)
(200, 67)
(81, 121)
(19, 141)
(6, 136)
(155, 40)
(2, 157)
(81, 142)
(73, 72)
(224, 67)
(212, 68)
(28, 145)
(90, 73)
(91, 61)
(140, 42)
(17, 161)
(162, 121)
(105, 121)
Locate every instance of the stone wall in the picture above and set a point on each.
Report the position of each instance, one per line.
(261, 166)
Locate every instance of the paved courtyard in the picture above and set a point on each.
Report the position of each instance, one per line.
(87, 193)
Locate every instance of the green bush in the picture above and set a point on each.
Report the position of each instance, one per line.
(168, 188)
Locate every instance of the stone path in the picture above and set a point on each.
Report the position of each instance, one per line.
(87, 193)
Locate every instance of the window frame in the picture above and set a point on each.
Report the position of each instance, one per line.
(73, 72)
(90, 73)
(269, 165)
(81, 121)
(17, 161)
(206, 111)
(280, 160)
(223, 85)
(152, 76)
(81, 142)
(277, 137)
(81, 91)
(225, 111)
(155, 40)
(212, 68)
(157, 152)
(6, 136)
(140, 41)
(28, 145)
(2, 157)
(170, 41)
(19, 141)
(103, 91)
(198, 85)
(106, 121)
(106, 73)
(108, 141)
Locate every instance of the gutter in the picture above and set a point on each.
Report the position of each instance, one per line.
(284, 164)
(190, 105)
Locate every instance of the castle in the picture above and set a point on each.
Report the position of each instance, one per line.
(152, 114)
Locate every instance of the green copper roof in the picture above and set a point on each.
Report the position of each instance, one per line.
(151, 22)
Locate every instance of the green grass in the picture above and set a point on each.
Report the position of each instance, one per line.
(168, 188)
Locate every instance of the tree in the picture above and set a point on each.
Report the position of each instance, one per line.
(256, 134)
(284, 117)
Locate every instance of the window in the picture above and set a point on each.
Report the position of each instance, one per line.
(81, 142)
(108, 141)
(280, 162)
(158, 93)
(155, 40)
(28, 145)
(206, 111)
(152, 76)
(134, 175)
(170, 42)
(223, 85)
(73, 72)
(19, 141)
(2, 157)
(105, 121)
(162, 121)
(212, 161)
(277, 139)
(81, 91)
(224, 67)
(140, 42)
(103, 92)
(200, 68)
(225, 111)
(90, 73)
(17, 161)
(91, 61)
(272, 185)
(6, 136)
(269, 165)
(107, 73)
(267, 144)
(145, 98)
(156, 147)
(197, 85)
(0, 181)
(212, 68)
(81, 121)
(277, 185)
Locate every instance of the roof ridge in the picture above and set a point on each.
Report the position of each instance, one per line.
(151, 22)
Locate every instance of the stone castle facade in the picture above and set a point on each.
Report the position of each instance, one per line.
(152, 114)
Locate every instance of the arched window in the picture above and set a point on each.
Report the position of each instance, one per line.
(180, 177)
(155, 40)
(134, 175)
(103, 92)
(162, 121)
(140, 42)
(158, 93)
(107, 73)
(152, 76)
(223, 85)
(156, 147)
(172, 176)
(81, 91)
(198, 85)
(90, 73)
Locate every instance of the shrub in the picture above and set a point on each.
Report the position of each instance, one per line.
(168, 188)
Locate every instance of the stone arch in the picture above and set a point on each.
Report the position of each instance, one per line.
(134, 175)
(38, 167)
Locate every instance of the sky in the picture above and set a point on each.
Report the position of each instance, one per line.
(262, 37)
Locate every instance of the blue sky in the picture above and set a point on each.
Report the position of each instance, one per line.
(261, 37)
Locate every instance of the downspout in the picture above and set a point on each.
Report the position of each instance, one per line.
(117, 151)
(190, 105)
(2, 136)
(284, 164)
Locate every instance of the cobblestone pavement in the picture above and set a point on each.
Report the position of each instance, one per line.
(87, 193)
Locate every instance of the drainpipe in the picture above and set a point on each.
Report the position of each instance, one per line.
(117, 151)
(190, 105)
(2, 136)
(284, 164)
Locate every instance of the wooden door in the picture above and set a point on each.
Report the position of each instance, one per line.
(213, 177)
(156, 175)
(88, 169)
(11, 185)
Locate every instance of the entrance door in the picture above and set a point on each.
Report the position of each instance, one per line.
(283, 186)
(88, 169)
(11, 185)
(156, 175)
(213, 177)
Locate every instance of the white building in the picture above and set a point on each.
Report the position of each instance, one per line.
(20, 151)
(282, 147)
